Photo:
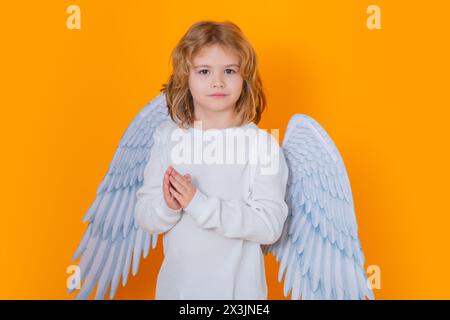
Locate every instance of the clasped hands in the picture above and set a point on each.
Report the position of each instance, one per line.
(178, 190)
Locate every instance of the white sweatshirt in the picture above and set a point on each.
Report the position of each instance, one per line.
(212, 247)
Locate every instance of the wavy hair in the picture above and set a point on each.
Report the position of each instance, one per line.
(252, 101)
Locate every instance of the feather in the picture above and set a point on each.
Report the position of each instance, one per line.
(316, 270)
(291, 266)
(308, 254)
(326, 270)
(121, 211)
(108, 270)
(126, 266)
(119, 267)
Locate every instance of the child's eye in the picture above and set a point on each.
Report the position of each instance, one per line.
(232, 71)
(201, 71)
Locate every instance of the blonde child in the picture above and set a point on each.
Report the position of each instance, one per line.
(213, 225)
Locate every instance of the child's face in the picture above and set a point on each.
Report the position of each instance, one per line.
(215, 70)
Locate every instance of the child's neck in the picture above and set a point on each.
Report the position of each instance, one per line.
(216, 120)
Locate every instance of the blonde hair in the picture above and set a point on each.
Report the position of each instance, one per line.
(252, 101)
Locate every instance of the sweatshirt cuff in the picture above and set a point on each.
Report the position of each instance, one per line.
(173, 211)
(197, 202)
(168, 211)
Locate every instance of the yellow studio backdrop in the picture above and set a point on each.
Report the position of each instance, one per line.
(67, 97)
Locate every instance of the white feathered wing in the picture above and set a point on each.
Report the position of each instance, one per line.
(319, 248)
(112, 240)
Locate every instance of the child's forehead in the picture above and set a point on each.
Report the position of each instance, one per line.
(216, 52)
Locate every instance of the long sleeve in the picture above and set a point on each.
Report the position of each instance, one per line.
(259, 218)
(151, 212)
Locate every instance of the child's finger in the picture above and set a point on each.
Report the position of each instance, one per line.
(166, 187)
(175, 193)
(178, 177)
(165, 182)
(177, 184)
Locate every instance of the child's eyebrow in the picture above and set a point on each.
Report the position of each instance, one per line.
(208, 66)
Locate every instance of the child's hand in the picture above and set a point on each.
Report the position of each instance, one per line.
(181, 187)
(171, 202)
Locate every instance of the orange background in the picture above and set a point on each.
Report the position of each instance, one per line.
(382, 95)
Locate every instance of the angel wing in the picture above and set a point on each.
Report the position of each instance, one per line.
(112, 239)
(319, 248)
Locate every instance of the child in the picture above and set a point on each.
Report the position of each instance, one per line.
(213, 226)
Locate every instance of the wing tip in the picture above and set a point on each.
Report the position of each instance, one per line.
(299, 117)
(295, 119)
